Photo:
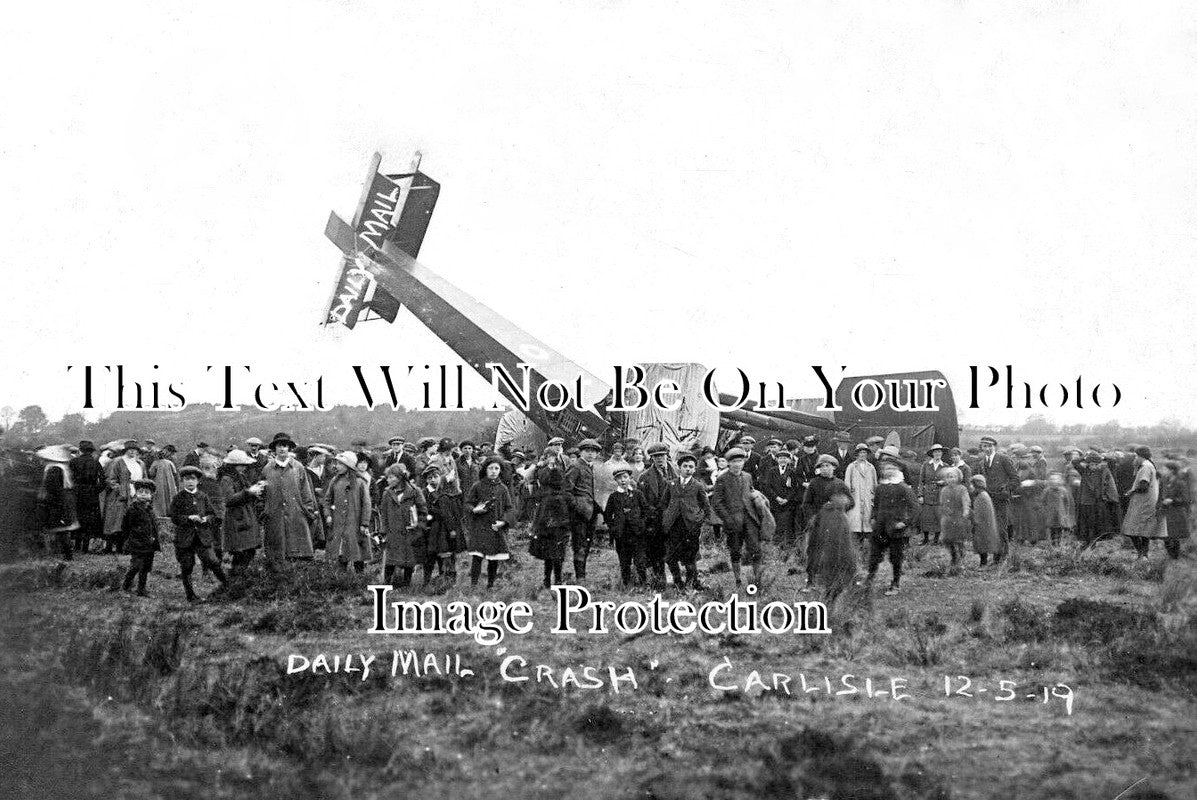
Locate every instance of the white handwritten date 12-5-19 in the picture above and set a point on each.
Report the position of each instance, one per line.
(964, 686)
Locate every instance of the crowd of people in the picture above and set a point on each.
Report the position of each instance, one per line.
(426, 504)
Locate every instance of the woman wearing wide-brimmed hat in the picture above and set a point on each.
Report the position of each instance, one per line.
(57, 497)
(289, 504)
(120, 474)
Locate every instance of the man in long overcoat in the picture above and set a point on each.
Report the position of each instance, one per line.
(1001, 479)
(289, 505)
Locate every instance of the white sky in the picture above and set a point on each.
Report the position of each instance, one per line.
(891, 186)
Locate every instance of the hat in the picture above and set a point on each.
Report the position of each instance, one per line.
(131, 444)
(1036, 448)
(190, 470)
(554, 442)
(115, 445)
(170, 448)
(824, 458)
(933, 448)
(810, 441)
(396, 470)
(318, 449)
(282, 438)
(589, 444)
(1093, 457)
(409, 447)
(59, 453)
(772, 442)
(431, 469)
(622, 469)
(467, 443)
(254, 440)
(86, 446)
(1143, 451)
(843, 436)
(735, 452)
(348, 458)
(861, 446)
(487, 462)
(201, 445)
(520, 455)
(783, 454)
(891, 452)
(396, 440)
(1072, 448)
(426, 442)
(980, 480)
(658, 448)
(445, 444)
(573, 451)
(748, 439)
(989, 440)
(143, 483)
(792, 444)
(875, 440)
(686, 456)
(239, 458)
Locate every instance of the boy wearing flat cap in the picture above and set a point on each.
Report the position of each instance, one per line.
(686, 507)
(195, 519)
(626, 513)
(579, 484)
(732, 501)
(141, 535)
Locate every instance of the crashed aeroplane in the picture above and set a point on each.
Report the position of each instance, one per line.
(379, 274)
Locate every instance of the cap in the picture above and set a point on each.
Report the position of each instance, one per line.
(748, 439)
(348, 458)
(254, 440)
(980, 480)
(394, 440)
(1036, 448)
(827, 459)
(772, 442)
(810, 441)
(989, 440)
(142, 483)
(686, 457)
(843, 436)
(189, 470)
(875, 440)
(622, 469)
(783, 454)
(735, 452)
(589, 444)
(430, 470)
(933, 448)
(861, 446)
(556, 441)
(658, 448)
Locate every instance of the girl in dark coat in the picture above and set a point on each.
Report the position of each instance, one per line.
(550, 526)
(987, 538)
(489, 513)
(240, 530)
(895, 508)
(445, 537)
(404, 524)
(1175, 500)
(831, 556)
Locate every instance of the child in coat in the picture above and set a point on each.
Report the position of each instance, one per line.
(445, 537)
(551, 524)
(626, 513)
(195, 519)
(1057, 507)
(140, 525)
(404, 520)
(895, 508)
(954, 511)
(987, 539)
(490, 512)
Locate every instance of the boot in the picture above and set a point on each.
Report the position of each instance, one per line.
(492, 571)
(580, 569)
(475, 570)
(189, 590)
(736, 573)
(141, 576)
(557, 571)
(676, 570)
(128, 584)
(548, 572)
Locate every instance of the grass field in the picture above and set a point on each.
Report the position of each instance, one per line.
(107, 695)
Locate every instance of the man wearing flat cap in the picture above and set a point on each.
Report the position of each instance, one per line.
(752, 459)
(804, 468)
(579, 485)
(192, 459)
(1001, 479)
(843, 453)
